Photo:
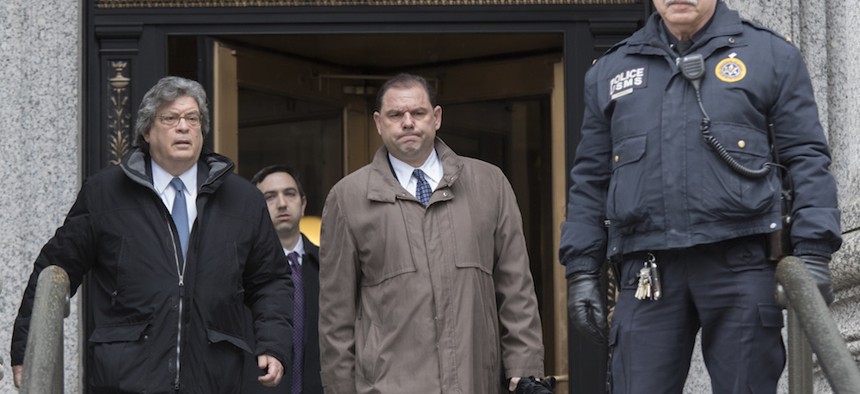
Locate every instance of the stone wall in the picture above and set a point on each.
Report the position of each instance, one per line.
(40, 150)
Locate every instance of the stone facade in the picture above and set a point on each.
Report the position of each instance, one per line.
(41, 150)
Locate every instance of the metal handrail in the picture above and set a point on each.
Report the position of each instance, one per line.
(43, 359)
(813, 316)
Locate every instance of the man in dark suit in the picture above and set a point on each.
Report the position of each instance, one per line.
(286, 200)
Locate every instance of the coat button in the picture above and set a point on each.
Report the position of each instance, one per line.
(617, 158)
(731, 40)
(742, 144)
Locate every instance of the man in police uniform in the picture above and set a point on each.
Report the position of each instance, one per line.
(674, 181)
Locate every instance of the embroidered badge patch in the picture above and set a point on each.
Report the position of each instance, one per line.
(624, 83)
(731, 69)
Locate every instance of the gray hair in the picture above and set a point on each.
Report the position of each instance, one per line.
(167, 90)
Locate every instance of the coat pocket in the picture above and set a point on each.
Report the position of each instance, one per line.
(119, 354)
(626, 202)
(229, 323)
(725, 194)
(217, 336)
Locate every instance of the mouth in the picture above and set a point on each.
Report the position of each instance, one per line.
(681, 2)
(408, 136)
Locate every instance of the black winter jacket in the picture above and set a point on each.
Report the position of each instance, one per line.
(645, 179)
(151, 330)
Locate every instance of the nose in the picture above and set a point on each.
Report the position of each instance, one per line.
(408, 121)
(281, 201)
(183, 124)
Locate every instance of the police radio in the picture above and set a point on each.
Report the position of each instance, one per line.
(693, 68)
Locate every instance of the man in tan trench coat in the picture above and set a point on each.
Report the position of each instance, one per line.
(424, 276)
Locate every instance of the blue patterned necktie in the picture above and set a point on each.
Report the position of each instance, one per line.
(298, 322)
(180, 213)
(422, 192)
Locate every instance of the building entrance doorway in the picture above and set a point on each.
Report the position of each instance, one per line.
(307, 101)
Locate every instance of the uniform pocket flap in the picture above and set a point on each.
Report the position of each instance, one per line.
(628, 151)
(216, 336)
(125, 333)
(771, 315)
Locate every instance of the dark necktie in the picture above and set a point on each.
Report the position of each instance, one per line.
(298, 322)
(422, 192)
(180, 213)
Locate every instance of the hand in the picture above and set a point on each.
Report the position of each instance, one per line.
(17, 375)
(819, 269)
(274, 370)
(531, 385)
(585, 304)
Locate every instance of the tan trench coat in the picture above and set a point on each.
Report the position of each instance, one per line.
(426, 301)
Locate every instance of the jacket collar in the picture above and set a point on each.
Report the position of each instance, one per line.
(311, 251)
(650, 40)
(383, 186)
(211, 169)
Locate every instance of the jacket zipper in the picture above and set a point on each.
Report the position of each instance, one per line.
(180, 271)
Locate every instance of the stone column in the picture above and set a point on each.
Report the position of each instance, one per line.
(40, 150)
(843, 74)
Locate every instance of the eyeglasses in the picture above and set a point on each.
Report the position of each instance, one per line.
(193, 119)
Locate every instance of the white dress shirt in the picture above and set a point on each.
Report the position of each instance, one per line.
(432, 168)
(161, 181)
(299, 249)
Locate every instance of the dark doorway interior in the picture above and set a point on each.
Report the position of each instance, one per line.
(488, 113)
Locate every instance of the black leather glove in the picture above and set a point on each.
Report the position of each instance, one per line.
(530, 385)
(819, 269)
(586, 304)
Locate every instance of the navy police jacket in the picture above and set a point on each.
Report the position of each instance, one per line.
(645, 179)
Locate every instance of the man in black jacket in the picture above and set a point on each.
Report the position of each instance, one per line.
(282, 189)
(176, 246)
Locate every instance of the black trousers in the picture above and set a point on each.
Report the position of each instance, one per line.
(725, 289)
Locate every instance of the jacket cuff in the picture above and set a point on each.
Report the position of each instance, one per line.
(813, 248)
(581, 264)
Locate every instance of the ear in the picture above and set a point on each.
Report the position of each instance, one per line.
(376, 120)
(437, 115)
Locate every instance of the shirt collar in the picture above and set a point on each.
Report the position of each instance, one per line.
(432, 168)
(161, 179)
(299, 249)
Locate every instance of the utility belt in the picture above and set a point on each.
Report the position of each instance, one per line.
(650, 282)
